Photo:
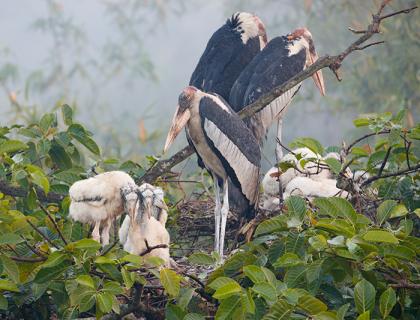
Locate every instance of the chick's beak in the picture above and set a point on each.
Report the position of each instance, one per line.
(178, 122)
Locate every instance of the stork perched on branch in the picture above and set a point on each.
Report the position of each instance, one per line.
(228, 52)
(225, 144)
(100, 199)
(147, 228)
(280, 60)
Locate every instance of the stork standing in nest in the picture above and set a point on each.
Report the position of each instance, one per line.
(227, 147)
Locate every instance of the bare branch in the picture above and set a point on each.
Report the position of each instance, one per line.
(53, 222)
(388, 152)
(8, 189)
(42, 234)
(25, 259)
(151, 248)
(348, 149)
(356, 31)
(394, 174)
(369, 45)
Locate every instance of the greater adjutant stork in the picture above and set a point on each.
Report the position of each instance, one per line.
(227, 147)
(280, 60)
(228, 52)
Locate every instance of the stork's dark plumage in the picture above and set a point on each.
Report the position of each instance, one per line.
(227, 147)
(280, 60)
(227, 53)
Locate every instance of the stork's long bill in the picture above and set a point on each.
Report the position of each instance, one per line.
(179, 121)
(312, 56)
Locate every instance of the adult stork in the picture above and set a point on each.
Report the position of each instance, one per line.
(227, 147)
(229, 50)
(280, 60)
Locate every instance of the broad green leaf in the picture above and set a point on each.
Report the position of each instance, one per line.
(10, 238)
(361, 122)
(7, 285)
(59, 156)
(112, 287)
(185, 297)
(219, 282)
(170, 281)
(89, 244)
(318, 242)
(227, 307)
(399, 210)
(364, 316)
(133, 259)
(281, 310)
(296, 207)
(387, 301)
(54, 259)
(288, 260)
(254, 273)
(333, 164)
(128, 277)
(247, 301)
(174, 312)
(271, 225)
(227, 290)
(67, 112)
(295, 242)
(294, 276)
(3, 302)
(85, 280)
(380, 236)
(325, 315)
(11, 146)
(311, 305)
(401, 252)
(10, 268)
(309, 143)
(103, 259)
(265, 290)
(384, 211)
(364, 296)
(194, 316)
(79, 133)
(47, 274)
(341, 312)
(201, 259)
(104, 301)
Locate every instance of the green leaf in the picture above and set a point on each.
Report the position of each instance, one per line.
(254, 273)
(270, 226)
(364, 296)
(3, 302)
(364, 316)
(128, 278)
(380, 236)
(104, 301)
(265, 290)
(86, 280)
(227, 290)
(281, 310)
(325, 315)
(384, 211)
(47, 274)
(12, 146)
(79, 133)
(227, 307)
(112, 287)
(399, 211)
(10, 238)
(170, 281)
(59, 156)
(361, 122)
(67, 112)
(247, 301)
(38, 177)
(185, 297)
(7, 285)
(341, 312)
(387, 301)
(10, 268)
(309, 143)
(84, 244)
(401, 252)
(318, 242)
(333, 164)
(337, 207)
(194, 316)
(220, 282)
(294, 276)
(295, 242)
(202, 259)
(311, 305)
(54, 259)
(296, 207)
(288, 260)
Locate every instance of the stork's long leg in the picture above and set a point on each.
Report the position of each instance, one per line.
(105, 232)
(224, 211)
(279, 148)
(217, 214)
(95, 232)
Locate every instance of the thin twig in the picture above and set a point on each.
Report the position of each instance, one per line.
(42, 234)
(347, 150)
(388, 152)
(25, 259)
(394, 174)
(284, 147)
(53, 222)
(151, 248)
(356, 31)
(406, 11)
(369, 45)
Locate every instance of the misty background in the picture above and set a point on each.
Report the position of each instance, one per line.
(122, 64)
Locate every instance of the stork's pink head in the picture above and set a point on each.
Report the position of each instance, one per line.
(182, 114)
(303, 34)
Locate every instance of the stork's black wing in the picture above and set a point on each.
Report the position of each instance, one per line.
(234, 143)
(223, 60)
